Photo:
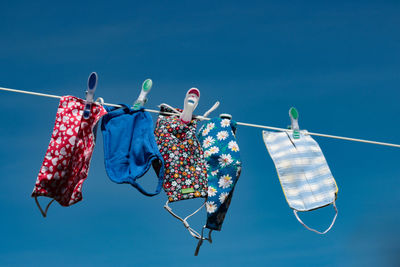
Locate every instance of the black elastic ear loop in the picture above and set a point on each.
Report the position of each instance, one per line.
(196, 252)
(44, 213)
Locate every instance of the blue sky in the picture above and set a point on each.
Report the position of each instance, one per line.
(338, 63)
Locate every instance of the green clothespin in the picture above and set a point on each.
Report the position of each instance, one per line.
(142, 99)
(294, 118)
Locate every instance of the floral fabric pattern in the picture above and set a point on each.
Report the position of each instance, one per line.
(185, 169)
(66, 163)
(221, 153)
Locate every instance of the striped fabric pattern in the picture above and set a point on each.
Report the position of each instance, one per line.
(305, 177)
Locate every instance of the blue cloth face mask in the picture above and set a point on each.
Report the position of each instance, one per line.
(130, 147)
(222, 156)
(305, 177)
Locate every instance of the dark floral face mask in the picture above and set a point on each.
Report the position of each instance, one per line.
(185, 172)
(185, 169)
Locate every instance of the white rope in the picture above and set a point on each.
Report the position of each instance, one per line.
(239, 123)
(28, 92)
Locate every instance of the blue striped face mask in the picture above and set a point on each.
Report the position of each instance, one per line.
(305, 177)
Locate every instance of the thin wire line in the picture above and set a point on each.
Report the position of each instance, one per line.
(239, 123)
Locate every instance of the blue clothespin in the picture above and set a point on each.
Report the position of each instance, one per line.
(142, 99)
(92, 84)
(294, 118)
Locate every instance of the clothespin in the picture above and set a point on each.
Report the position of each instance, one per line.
(191, 100)
(294, 118)
(142, 99)
(92, 84)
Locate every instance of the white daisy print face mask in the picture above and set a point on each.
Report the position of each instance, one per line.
(221, 153)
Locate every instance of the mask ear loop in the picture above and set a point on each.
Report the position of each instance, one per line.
(171, 108)
(214, 107)
(313, 230)
(100, 101)
(209, 236)
(184, 221)
(196, 252)
(44, 213)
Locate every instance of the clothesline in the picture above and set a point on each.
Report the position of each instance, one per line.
(239, 123)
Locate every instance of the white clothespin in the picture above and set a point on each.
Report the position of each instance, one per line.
(191, 100)
(294, 118)
(92, 84)
(142, 99)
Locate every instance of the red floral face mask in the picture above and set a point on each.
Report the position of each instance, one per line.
(67, 160)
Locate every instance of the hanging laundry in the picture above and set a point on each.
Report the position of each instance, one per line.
(66, 163)
(222, 156)
(130, 147)
(185, 172)
(185, 175)
(305, 177)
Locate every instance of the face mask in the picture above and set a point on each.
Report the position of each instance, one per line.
(66, 164)
(185, 173)
(130, 147)
(305, 177)
(221, 153)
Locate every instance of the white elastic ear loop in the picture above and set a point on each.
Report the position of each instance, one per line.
(313, 230)
(171, 108)
(100, 101)
(184, 221)
(214, 107)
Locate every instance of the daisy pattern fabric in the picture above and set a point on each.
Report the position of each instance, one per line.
(66, 163)
(222, 156)
(185, 172)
